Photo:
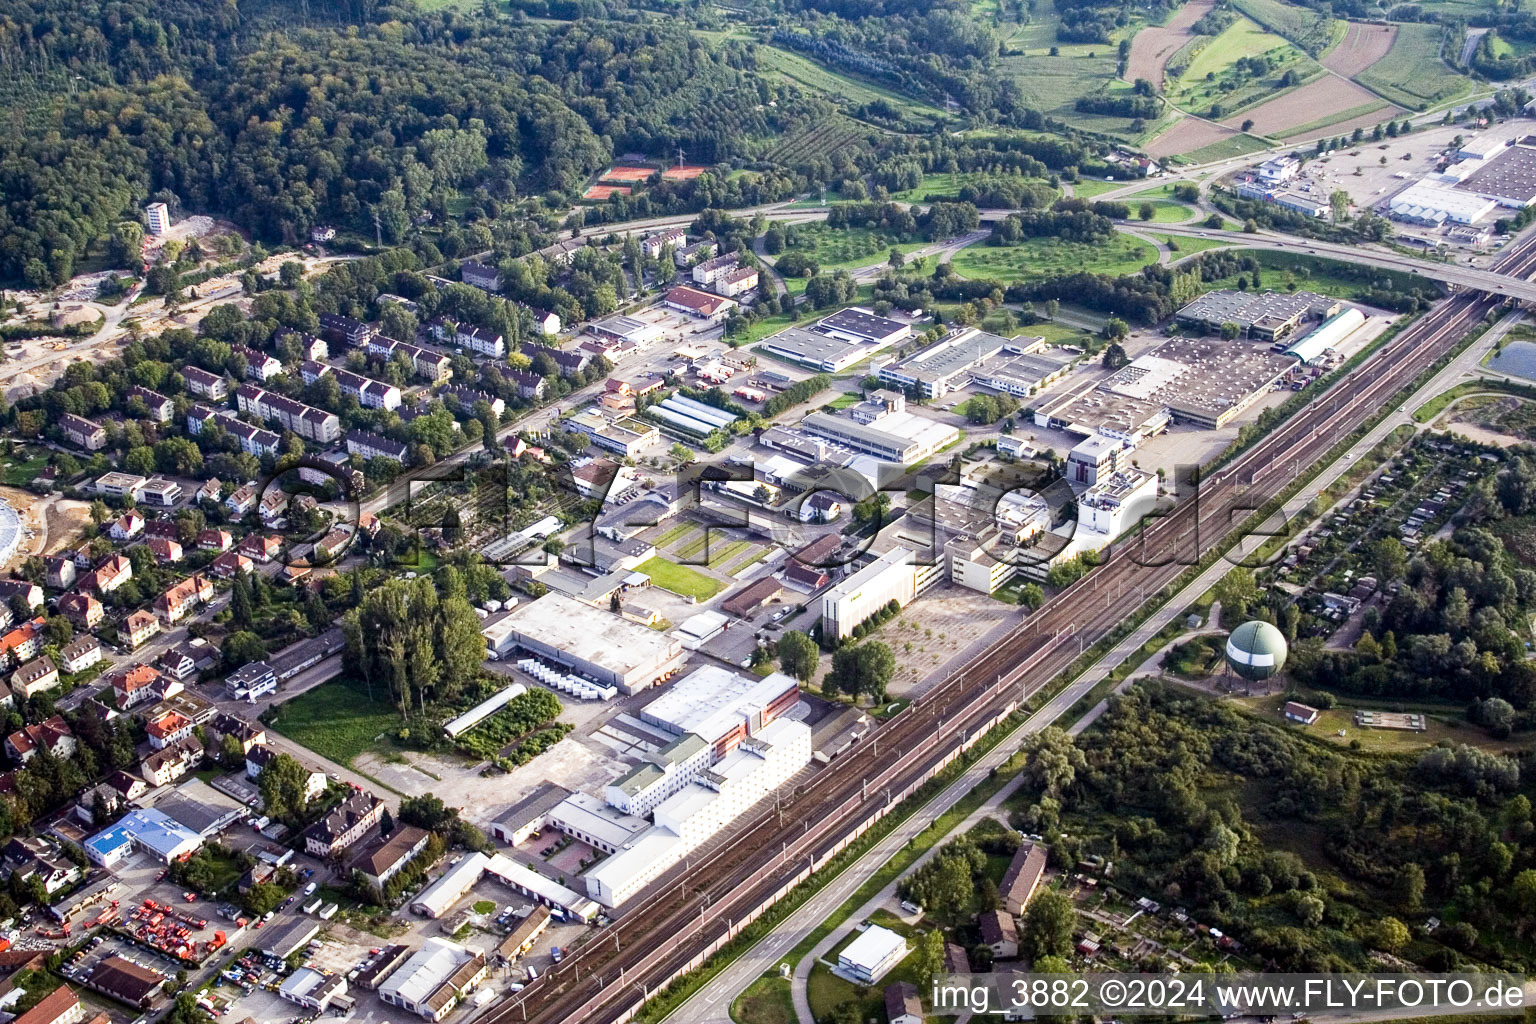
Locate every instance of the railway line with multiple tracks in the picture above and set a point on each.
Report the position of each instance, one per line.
(693, 906)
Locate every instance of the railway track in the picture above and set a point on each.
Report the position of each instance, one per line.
(699, 902)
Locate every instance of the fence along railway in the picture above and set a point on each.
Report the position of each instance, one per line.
(701, 904)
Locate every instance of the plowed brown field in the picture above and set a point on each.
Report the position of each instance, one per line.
(1362, 46)
(1153, 46)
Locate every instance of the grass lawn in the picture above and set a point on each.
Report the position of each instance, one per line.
(846, 400)
(1087, 188)
(814, 77)
(1412, 73)
(679, 579)
(746, 563)
(1164, 211)
(845, 248)
(1051, 257)
(336, 720)
(21, 468)
(949, 185)
(1163, 191)
(1183, 246)
(1448, 727)
(766, 1001)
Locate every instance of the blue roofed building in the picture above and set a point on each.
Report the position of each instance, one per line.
(151, 831)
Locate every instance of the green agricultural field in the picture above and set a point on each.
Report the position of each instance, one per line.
(1236, 145)
(337, 720)
(1412, 73)
(1307, 28)
(1053, 84)
(812, 76)
(1052, 257)
(679, 579)
(1212, 78)
(1341, 116)
(948, 186)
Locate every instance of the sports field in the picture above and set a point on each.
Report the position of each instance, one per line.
(687, 172)
(606, 191)
(620, 174)
(679, 579)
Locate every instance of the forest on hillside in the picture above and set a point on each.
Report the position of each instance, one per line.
(282, 125)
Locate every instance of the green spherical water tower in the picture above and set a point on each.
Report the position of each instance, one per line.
(1256, 651)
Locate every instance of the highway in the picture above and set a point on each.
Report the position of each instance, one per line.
(693, 907)
(1488, 280)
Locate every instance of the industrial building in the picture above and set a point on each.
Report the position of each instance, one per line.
(641, 789)
(626, 435)
(434, 979)
(1507, 176)
(1333, 332)
(945, 366)
(836, 342)
(890, 577)
(1116, 502)
(1022, 375)
(759, 764)
(626, 329)
(721, 706)
(439, 897)
(153, 832)
(1095, 456)
(1265, 316)
(884, 429)
(595, 643)
(312, 990)
(1203, 381)
(1431, 205)
(690, 416)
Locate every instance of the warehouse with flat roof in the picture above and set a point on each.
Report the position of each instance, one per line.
(592, 642)
(902, 437)
(1508, 176)
(1262, 315)
(944, 367)
(721, 706)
